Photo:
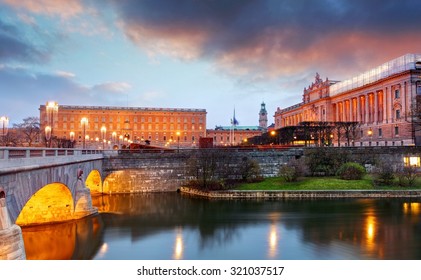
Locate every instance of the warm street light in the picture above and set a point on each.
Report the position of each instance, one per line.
(370, 134)
(103, 134)
(4, 122)
(114, 137)
(51, 109)
(48, 136)
(84, 123)
(178, 141)
(72, 138)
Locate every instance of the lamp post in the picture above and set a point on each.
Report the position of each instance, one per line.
(48, 136)
(113, 138)
(178, 141)
(4, 121)
(370, 134)
(103, 134)
(84, 122)
(51, 109)
(72, 138)
(273, 134)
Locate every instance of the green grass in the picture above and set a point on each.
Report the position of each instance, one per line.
(321, 183)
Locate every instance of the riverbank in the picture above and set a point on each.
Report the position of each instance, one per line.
(286, 194)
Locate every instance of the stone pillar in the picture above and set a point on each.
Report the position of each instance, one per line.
(385, 102)
(358, 109)
(376, 108)
(11, 240)
(367, 114)
(404, 93)
(83, 200)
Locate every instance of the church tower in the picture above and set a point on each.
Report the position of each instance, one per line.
(263, 117)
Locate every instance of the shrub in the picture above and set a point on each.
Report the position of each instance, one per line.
(351, 171)
(325, 162)
(407, 176)
(250, 170)
(292, 170)
(384, 173)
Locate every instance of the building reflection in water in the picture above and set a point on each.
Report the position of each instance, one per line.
(273, 241)
(273, 237)
(75, 240)
(179, 245)
(411, 208)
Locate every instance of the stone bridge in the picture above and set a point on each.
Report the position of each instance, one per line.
(49, 185)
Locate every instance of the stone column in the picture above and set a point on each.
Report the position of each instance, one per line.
(350, 111)
(385, 102)
(404, 101)
(376, 108)
(11, 240)
(358, 109)
(367, 108)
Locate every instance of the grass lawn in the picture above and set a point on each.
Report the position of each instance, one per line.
(321, 183)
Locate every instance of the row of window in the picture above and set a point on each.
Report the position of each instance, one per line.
(111, 127)
(136, 119)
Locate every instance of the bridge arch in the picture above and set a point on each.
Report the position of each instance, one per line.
(94, 182)
(52, 203)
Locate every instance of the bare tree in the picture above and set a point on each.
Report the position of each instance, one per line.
(29, 130)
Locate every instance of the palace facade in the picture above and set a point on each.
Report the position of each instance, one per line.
(106, 127)
(382, 101)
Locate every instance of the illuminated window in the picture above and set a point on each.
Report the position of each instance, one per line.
(412, 161)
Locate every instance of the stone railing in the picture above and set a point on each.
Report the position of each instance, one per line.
(14, 159)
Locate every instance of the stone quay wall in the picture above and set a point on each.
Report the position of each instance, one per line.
(294, 194)
(136, 171)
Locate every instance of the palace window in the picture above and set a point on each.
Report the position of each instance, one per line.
(397, 93)
(398, 114)
(396, 130)
(380, 132)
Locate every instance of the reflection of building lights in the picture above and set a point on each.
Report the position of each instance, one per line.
(370, 232)
(103, 250)
(412, 208)
(273, 241)
(179, 246)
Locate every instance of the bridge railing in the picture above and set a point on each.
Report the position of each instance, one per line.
(7, 153)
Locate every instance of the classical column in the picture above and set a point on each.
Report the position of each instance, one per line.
(367, 107)
(350, 111)
(376, 108)
(358, 109)
(385, 102)
(404, 100)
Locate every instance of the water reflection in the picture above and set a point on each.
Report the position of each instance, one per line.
(178, 247)
(172, 226)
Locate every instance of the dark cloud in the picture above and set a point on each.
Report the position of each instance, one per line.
(14, 47)
(275, 37)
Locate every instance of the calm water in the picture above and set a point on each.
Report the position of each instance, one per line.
(172, 226)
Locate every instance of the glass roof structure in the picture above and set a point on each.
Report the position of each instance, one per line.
(395, 66)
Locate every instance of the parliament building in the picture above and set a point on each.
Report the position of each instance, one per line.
(382, 102)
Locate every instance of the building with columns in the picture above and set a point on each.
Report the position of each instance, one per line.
(382, 101)
(91, 125)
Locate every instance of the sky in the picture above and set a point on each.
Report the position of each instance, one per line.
(218, 55)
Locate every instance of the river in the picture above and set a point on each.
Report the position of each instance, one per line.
(166, 226)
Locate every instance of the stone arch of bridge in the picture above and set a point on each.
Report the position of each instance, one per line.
(52, 203)
(94, 182)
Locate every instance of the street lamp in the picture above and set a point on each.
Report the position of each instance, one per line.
(51, 109)
(370, 134)
(114, 137)
(178, 141)
(103, 133)
(273, 134)
(48, 136)
(4, 122)
(84, 123)
(72, 138)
